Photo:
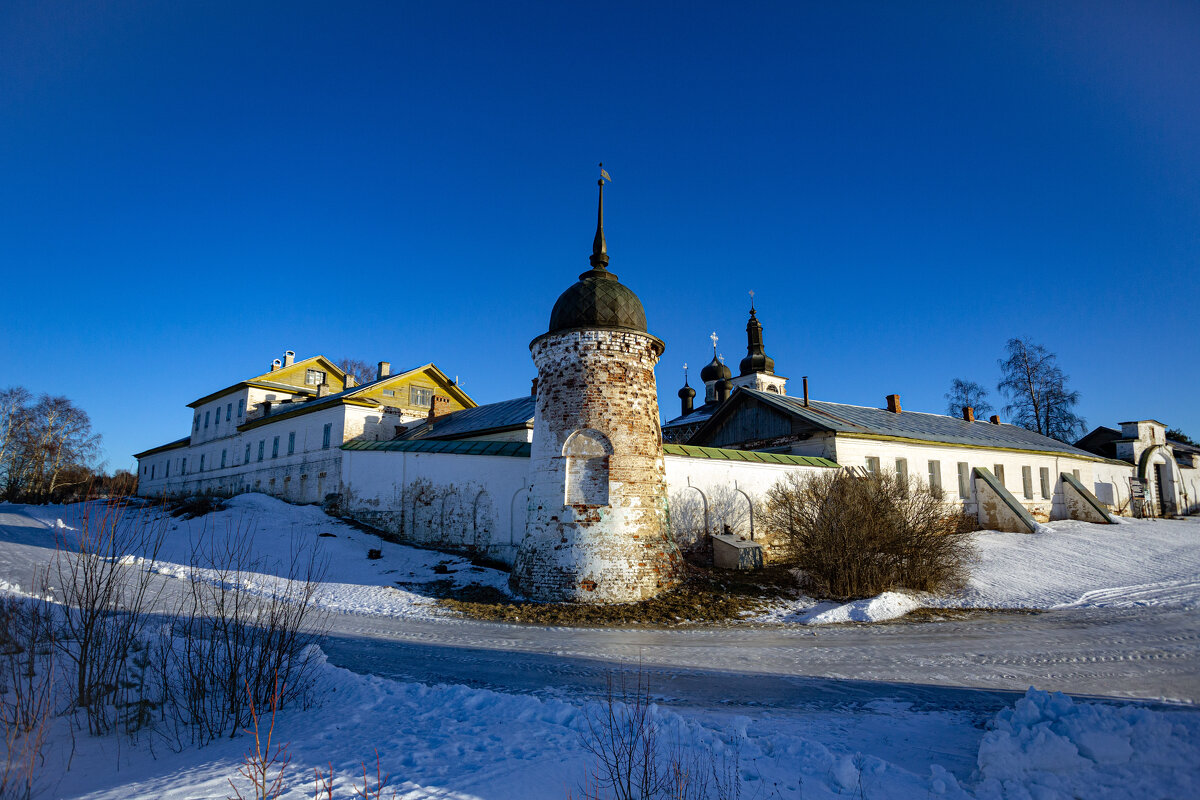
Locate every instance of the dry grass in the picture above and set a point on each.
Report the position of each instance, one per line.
(704, 596)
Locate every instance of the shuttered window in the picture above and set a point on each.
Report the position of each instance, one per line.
(291, 442)
(873, 465)
(1044, 473)
(902, 471)
(1027, 482)
(326, 435)
(998, 471)
(964, 480)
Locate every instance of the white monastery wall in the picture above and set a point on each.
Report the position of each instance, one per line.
(477, 503)
(1043, 505)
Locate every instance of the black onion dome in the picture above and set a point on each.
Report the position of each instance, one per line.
(715, 371)
(686, 392)
(598, 300)
(756, 359)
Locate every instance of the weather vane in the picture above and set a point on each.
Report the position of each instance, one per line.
(604, 176)
(751, 299)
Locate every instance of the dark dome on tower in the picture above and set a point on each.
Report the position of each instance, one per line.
(756, 359)
(687, 392)
(715, 371)
(598, 300)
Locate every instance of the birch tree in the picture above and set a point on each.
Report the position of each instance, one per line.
(1036, 388)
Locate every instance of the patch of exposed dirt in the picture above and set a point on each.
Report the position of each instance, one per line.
(704, 595)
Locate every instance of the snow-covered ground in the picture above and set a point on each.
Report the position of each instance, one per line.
(458, 708)
(1142, 563)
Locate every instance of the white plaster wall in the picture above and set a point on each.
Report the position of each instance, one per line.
(714, 479)
(440, 499)
(854, 453)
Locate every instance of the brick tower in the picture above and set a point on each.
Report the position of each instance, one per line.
(597, 523)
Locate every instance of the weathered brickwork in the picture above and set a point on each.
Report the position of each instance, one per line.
(597, 384)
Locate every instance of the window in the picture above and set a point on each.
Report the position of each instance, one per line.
(183, 466)
(774, 389)
(935, 478)
(206, 415)
(167, 469)
(328, 432)
(419, 396)
(151, 472)
(291, 442)
(241, 408)
(389, 392)
(998, 471)
(246, 460)
(1027, 482)
(314, 377)
(872, 465)
(902, 471)
(228, 411)
(222, 459)
(275, 447)
(202, 462)
(1075, 472)
(262, 446)
(196, 424)
(964, 480)
(1044, 473)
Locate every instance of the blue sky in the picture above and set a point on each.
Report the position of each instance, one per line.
(191, 188)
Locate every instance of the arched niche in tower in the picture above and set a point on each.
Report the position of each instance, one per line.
(587, 452)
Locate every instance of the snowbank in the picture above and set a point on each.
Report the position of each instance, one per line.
(457, 741)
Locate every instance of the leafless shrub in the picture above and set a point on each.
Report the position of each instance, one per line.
(367, 791)
(26, 690)
(260, 760)
(238, 628)
(859, 536)
(632, 762)
(105, 583)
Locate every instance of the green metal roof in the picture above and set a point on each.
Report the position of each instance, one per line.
(479, 448)
(522, 449)
(727, 454)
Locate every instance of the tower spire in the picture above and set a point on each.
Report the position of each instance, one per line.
(599, 259)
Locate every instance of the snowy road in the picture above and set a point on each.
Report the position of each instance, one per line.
(1110, 652)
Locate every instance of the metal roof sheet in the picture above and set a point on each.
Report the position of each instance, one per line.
(475, 448)
(729, 454)
(513, 413)
(842, 418)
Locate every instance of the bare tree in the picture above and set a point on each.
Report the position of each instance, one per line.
(964, 394)
(1036, 387)
(361, 370)
(45, 447)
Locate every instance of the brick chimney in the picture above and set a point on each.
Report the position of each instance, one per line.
(968, 414)
(994, 419)
(323, 390)
(351, 381)
(385, 370)
(533, 388)
(893, 401)
(439, 406)
(276, 364)
(289, 357)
